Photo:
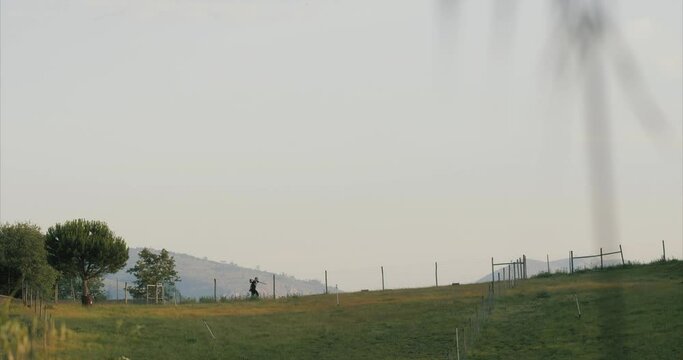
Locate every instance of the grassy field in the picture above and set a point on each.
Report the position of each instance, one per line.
(396, 324)
(630, 312)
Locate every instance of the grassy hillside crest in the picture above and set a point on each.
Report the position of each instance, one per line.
(232, 280)
(628, 312)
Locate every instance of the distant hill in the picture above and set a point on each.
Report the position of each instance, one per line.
(231, 280)
(535, 267)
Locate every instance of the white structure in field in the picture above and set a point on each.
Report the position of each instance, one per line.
(154, 293)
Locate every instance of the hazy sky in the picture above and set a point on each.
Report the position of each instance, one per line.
(341, 135)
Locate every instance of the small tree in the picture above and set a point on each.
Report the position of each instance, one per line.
(152, 269)
(23, 259)
(86, 249)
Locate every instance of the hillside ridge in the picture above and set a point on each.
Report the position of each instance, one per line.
(197, 276)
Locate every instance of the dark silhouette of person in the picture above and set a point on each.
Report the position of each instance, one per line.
(252, 287)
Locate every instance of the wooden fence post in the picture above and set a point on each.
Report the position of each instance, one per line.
(492, 279)
(273, 286)
(578, 308)
(125, 292)
(571, 261)
(514, 274)
(600, 258)
(325, 281)
(436, 273)
(524, 259)
(382, 269)
(509, 275)
(547, 260)
(622, 255)
(663, 251)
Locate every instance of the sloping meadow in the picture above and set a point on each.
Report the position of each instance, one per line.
(634, 311)
(392, 324)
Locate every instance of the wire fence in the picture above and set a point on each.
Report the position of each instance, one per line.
(468, 331)
(509, 275)
(413, 276)
(601, 255)
(505, 273)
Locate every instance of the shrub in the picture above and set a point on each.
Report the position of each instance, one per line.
(542, 294)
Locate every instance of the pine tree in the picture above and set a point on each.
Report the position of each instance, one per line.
(85, 249)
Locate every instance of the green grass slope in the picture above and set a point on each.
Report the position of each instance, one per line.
(630, 312)
(394, 324)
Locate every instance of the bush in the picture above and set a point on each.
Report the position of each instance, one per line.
(542, 295)
(206, 300)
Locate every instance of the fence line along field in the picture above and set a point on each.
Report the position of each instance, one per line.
(635, 310)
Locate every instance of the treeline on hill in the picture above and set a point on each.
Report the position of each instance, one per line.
(72, 258)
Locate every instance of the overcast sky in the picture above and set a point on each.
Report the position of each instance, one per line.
(342, 135)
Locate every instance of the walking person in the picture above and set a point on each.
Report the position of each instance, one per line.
(252, 287)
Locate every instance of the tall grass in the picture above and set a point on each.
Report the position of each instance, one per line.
(26, 336)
